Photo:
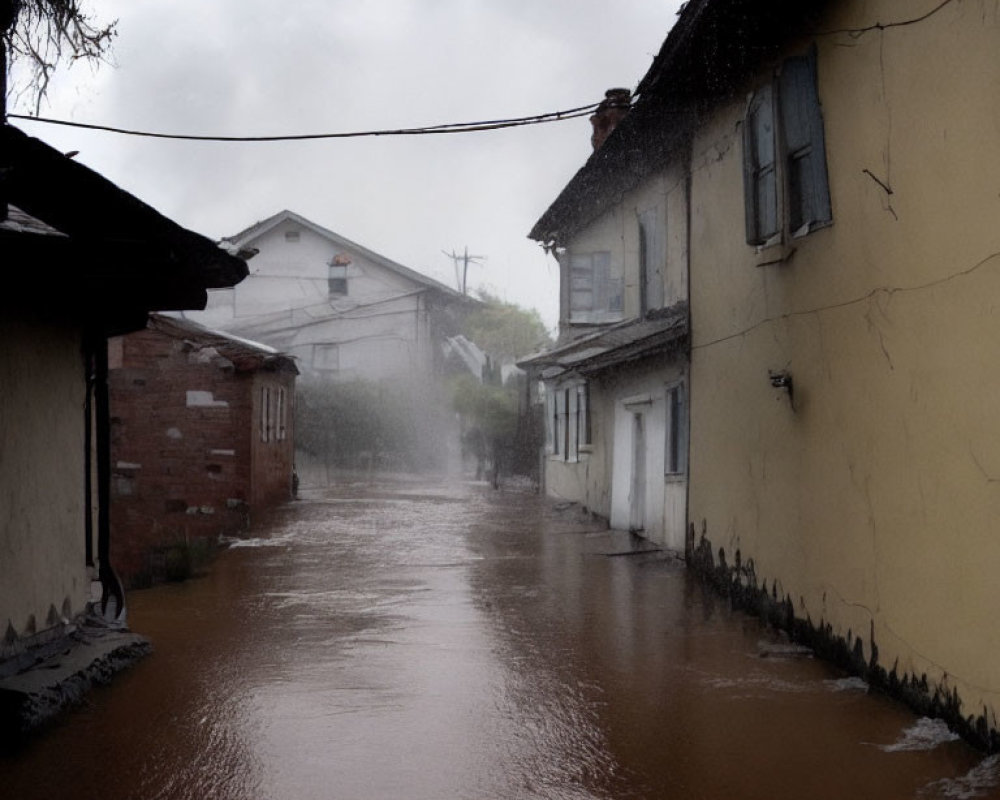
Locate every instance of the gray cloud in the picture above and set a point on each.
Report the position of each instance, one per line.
(251, 67)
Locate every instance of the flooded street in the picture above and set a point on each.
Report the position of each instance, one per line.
(418, 640)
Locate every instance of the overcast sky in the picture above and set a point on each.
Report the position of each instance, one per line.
(253, 68)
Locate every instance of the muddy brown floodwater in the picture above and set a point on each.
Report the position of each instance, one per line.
(415, 640)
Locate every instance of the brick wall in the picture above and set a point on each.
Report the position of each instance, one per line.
(187, 463)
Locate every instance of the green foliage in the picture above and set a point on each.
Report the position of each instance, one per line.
(500, 434)
(505, 331)
(491, 409)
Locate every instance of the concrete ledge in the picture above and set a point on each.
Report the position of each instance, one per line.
(60, 676)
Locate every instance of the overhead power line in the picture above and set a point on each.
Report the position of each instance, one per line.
(454, 127)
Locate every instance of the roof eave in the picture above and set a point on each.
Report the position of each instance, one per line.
(85, 206)
(683, 78)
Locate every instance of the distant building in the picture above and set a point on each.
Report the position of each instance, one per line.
(202, 440)
(348, 315)
(343, 311)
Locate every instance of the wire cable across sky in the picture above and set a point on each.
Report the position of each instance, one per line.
(454, 127)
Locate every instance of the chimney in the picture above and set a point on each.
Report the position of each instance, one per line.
(609, 113)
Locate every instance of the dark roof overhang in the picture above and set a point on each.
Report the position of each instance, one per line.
(616, 346)
(709, 53)
(101, 250)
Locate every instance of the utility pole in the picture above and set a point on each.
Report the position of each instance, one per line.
(465, 258)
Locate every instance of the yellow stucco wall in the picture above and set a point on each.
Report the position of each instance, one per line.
(41, 474)
(876, 501)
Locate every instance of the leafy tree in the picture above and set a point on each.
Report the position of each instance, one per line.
(499, 430)
(505, 331)
(39, 34)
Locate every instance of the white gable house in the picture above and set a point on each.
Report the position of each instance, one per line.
(343, 311)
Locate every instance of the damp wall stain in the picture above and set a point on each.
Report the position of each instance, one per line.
(740, 583)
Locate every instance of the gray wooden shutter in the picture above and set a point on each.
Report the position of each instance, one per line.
(581, 283)
(804, 148)
(760, 180)
(652, 255)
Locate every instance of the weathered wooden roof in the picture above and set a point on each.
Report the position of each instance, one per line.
(615, 345)
(245, 354)
(114, 254)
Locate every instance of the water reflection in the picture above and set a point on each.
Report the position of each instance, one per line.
(428, 641)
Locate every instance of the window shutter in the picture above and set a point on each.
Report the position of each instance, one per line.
(760, 180)
(583, 402)
(581, 283)
(550, 420)
(804, 146)
(559, 447)
(573, 425)
(652, 256)
(611, 287)
(602, 273)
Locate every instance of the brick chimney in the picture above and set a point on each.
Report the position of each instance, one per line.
(609, 113)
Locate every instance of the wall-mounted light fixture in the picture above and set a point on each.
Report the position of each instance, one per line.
(782, 379)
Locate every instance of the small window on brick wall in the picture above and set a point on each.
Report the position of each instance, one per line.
(265, 413)
(281, 415)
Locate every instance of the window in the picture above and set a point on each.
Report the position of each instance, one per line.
(652, 254)
(281, 415)
(594, 293)
(292, 237)
(326, 356)
(583, 414)
(675, 460)
(265, 413)
(560, 424)
(571, 448)
(784, 156)
(567, 421)
(337, 279)
(552, 422)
